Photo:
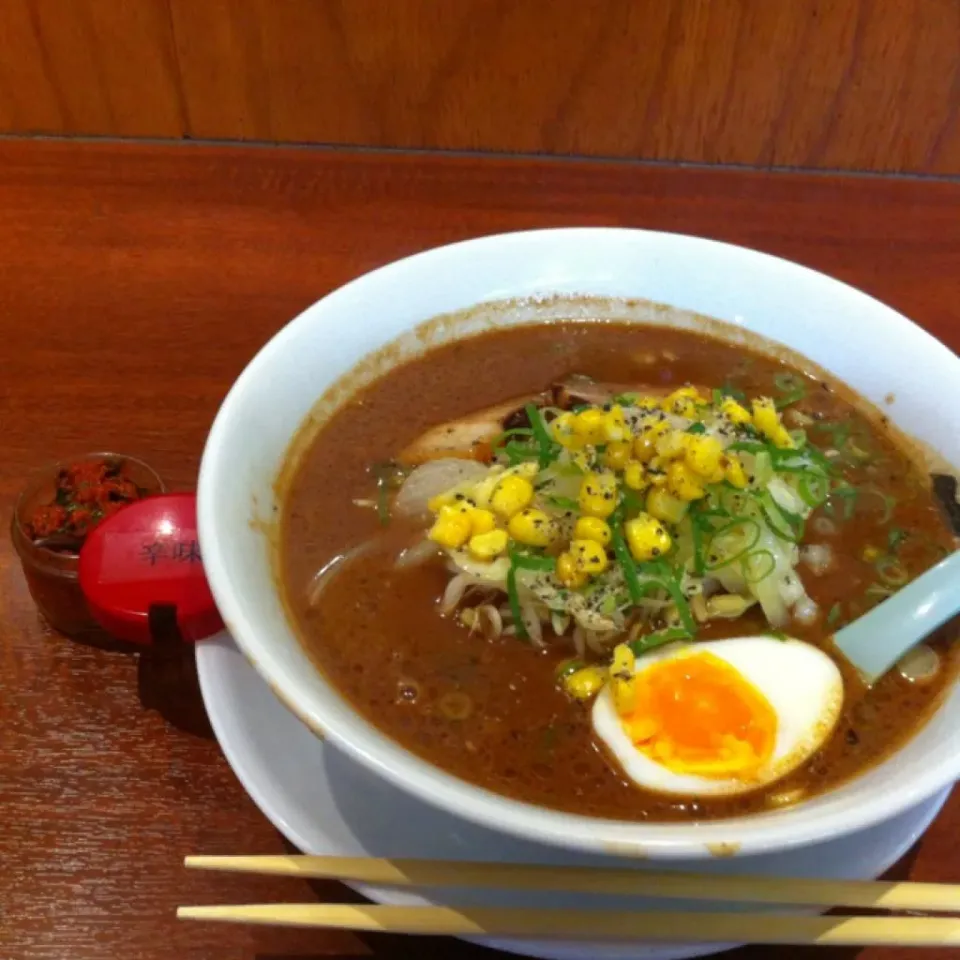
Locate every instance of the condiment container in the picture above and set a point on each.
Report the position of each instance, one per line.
(51, 566)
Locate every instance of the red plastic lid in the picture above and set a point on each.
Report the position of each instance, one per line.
(144, 561)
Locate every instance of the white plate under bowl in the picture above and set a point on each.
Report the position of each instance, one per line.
(325, 803)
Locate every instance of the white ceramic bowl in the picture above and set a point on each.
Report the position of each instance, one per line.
(864, 343)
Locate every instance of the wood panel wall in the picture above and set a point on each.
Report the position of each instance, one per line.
(855, 84)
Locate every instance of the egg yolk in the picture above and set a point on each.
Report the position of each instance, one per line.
(698, 715)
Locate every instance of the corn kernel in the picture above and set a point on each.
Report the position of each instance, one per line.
(582, 460)
(451, 528)
(434, 504)
(532, 527)
(589, 556)
(461, 496)
(657, 472)
(512, 494)
(645, 444)
(703, 455)
(481, 521)
(728, 606)
(482, 493)
(683, 402)
(598, 494)
(870, 554)
(767, 421)
(735, 473)
(563, 433)
(624, 690)
(673, 445)
(735, 413)
(584, 683)
(623, 660)
(615, 426)
(647, 537)
(617, 454)
(592, 528)
(486, 546)
(568, 573)
(646, 404)
(683, 483)
(589, 425)
(635, 477)
(664, 506)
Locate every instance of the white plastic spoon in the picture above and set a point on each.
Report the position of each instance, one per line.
(878, 639)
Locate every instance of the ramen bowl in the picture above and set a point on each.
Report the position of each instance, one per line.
(336, 345)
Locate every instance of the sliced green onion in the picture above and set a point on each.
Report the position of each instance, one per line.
(892, 571)
(631, 501)
(567, 668)
(501, 438)
(696, 428)
(622, 553)
(520, 452)
(813, 488)
(849, 496)
(513, 598)
(626, 399)
(858, 453)
(751, 531)
(894, 538)
(563, 503)
(838, 432)
(530, 561)
(388, 477)
(548, 449)
(661, 572)
(651, 641)
(608, 604)
(888, 501)
(750, 446)
(791, 387)
(778, 635)
(729, 390)
(773, 513)
(696, 535)
(749, 563)
(833, 615)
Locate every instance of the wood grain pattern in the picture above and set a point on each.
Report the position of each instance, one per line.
(135, 282)
(89, 66)
(851, 84)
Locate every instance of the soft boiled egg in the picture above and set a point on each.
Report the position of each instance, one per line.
(722, 717)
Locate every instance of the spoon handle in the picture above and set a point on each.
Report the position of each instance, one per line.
(877, 640)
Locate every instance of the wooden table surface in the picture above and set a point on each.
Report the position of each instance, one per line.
(135, 283)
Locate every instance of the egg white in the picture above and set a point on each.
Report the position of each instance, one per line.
(802, 684)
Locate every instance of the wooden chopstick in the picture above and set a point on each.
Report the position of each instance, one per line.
(594, 924)
(602, 880)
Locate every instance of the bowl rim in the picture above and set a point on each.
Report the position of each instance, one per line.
(738, 836)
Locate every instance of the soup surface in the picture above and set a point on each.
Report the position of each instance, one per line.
(496, 709)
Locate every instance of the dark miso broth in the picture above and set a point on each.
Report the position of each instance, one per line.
(375, 632)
